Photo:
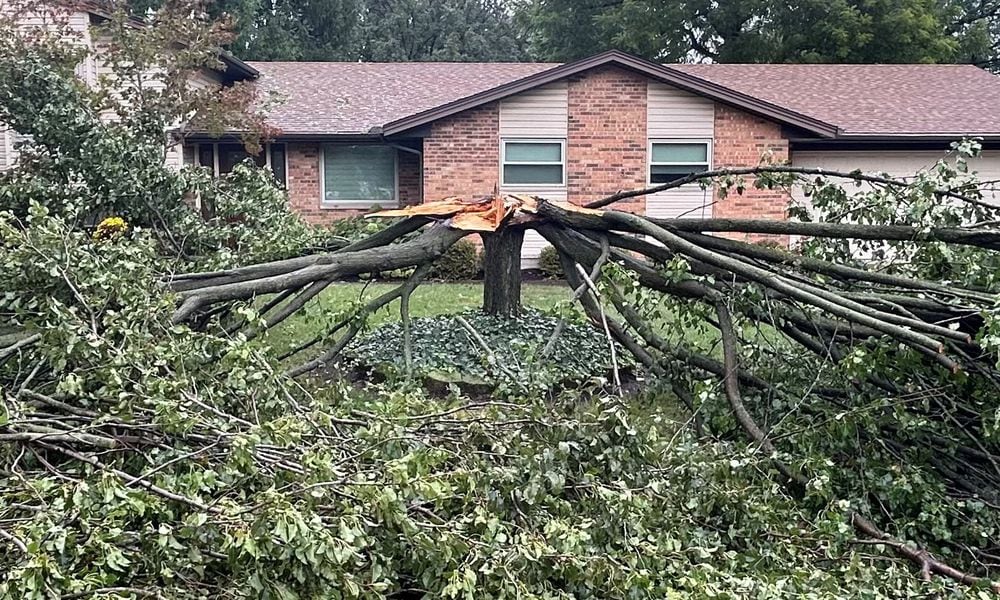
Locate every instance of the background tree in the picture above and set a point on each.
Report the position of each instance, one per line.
(846, 31)
(371, 30)
(445, 30)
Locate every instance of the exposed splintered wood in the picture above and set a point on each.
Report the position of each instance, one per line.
(502, 271)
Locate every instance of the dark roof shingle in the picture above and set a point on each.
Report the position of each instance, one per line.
(873, 99)
(353, 98)
(862, 100)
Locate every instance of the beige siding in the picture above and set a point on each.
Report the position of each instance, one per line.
(538, 113)
(688, 201)
(76, 25)
(533, 241)
(541, 113)
(672, 113)
(900, 164)
(5, 153)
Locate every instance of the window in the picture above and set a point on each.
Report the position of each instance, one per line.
(231, 155)
(277, 160)
(190, 156)
(672, 160)
(360, 175)
(533, 162)
(220, 158)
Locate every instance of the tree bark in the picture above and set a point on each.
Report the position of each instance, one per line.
(502, 271)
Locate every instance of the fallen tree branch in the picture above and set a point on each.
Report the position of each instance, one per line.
(777, 169)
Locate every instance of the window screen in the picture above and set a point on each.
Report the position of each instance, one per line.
(359, 174)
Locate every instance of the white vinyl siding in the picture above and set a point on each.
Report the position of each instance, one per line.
(5, 151)
(9, 141)
(676, 116)
(900, 164)
(359, 176)
(540, 114)
(672, 113)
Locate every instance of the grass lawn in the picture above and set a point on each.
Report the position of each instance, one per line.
(427, 300)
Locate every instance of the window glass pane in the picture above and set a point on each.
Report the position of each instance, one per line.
(206, 156)
(278, 162)
(189, 156)
(668, 173)
(527, 152)
(232, 154)
(355, 173)
(685, 153)
(541, 174)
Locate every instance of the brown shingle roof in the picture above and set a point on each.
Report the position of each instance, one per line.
(353, 98)
(861, 100)
(873, 99)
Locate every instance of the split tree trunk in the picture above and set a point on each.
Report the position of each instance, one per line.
(502, 271)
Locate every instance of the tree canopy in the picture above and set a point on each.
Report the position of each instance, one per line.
(756, 31)
(367, 30)
(844, 31)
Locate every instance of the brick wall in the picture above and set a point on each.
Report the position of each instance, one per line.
(606, 142)
(462, 154)
(741, 140)
(304, 184)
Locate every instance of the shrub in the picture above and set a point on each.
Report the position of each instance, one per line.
(460, 263)
(548, 263)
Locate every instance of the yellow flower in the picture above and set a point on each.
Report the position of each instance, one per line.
(110, 228)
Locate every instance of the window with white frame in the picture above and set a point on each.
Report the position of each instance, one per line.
(220, 157)
(359, 175)
(671, 160)
(533, 162)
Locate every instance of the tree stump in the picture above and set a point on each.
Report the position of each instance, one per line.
(502, 271)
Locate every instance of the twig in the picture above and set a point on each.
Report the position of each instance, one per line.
(490, 355)
(731, 384)
(604, 323)
(925, 560)
(778, 169)
(21, 343)
(14, 540)
(595, 272)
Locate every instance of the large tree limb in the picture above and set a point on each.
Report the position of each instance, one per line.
(425, 248)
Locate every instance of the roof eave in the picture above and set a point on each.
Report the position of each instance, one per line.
(239, 69)
(236, 68)
(684, 81)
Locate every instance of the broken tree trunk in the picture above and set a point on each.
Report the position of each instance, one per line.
(502, 271)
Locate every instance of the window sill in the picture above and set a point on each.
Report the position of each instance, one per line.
(533, 186)
(357, 205)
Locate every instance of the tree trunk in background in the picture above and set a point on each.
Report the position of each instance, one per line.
(502, 272)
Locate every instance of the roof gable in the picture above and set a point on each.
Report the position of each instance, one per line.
(664, 74)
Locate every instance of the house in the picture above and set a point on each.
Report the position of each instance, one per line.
(78, 21)
(359, 135)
